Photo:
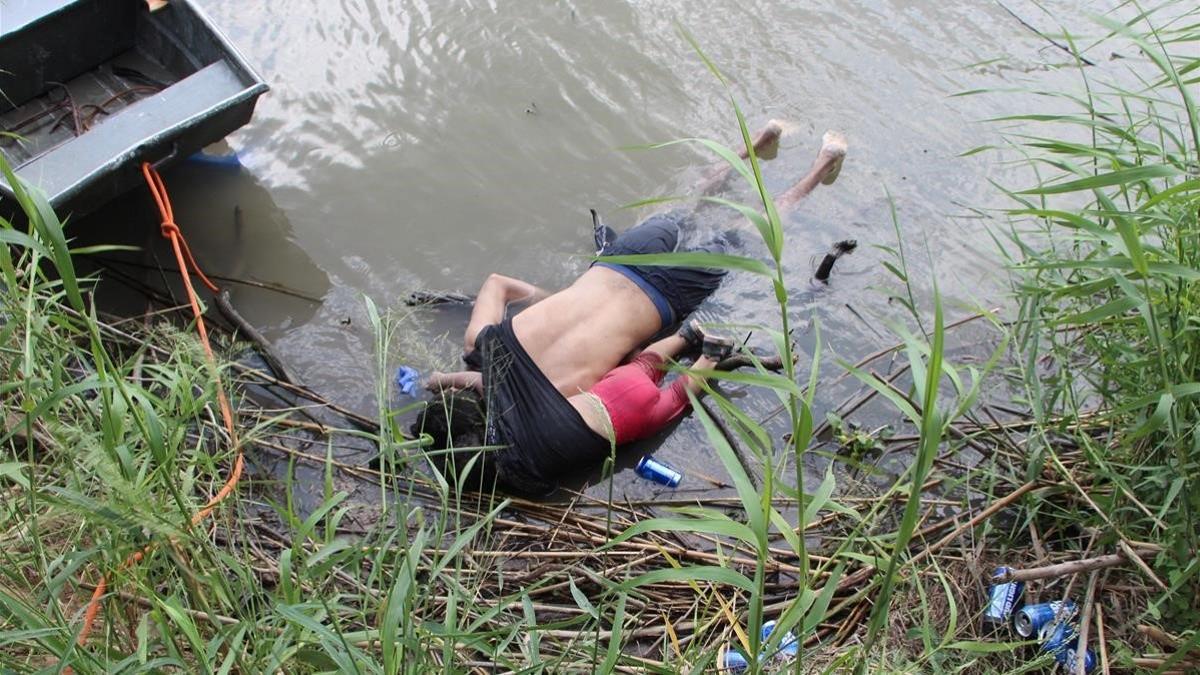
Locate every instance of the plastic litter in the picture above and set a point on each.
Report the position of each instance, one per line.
(407, 378)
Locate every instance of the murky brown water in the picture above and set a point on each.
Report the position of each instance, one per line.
(423, 145)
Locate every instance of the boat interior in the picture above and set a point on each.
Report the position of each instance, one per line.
(72, 67)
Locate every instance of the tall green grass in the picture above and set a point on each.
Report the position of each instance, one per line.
(1105, 249)
(110, 443)
(762, 521)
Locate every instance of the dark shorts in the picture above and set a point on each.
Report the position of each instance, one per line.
(542, 437)
(675, 291)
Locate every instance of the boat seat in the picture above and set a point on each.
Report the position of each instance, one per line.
(163, 125)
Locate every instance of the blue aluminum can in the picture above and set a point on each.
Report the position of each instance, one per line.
(729, 660)
(658, 472)
(1061, 639)
(789, 646)
(1057, 636)
(1068, 659)
(1028, 620)
(1003, 599)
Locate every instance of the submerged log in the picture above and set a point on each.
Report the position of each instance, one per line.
(420, 298)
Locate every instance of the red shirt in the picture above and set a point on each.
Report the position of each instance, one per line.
(636, 405)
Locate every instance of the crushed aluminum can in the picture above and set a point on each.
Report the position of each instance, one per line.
(658, 472)
(1003, 600)
(1061, 639)
(1028, 620)
(789, 646)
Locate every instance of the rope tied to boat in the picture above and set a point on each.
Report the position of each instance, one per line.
(187, 267)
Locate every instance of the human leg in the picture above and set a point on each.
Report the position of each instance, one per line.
(763, 142)
(824, 171)
(668, 347)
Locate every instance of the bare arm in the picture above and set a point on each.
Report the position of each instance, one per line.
(494, 296)
(460, 380)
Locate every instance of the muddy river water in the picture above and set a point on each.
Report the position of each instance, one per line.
(414, 144)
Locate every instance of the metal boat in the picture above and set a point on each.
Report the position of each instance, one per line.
(90, 89)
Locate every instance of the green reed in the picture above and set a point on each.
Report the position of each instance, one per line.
(1105, 252)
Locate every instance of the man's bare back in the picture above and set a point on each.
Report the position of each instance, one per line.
(580, 333)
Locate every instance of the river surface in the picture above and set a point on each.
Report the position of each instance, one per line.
(422, 145)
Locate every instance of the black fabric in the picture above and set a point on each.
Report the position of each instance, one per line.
(683, 287)
(542, 435)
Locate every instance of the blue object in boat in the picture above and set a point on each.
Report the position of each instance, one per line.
(227, 160)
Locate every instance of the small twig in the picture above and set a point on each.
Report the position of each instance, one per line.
(1165, 639)
(1047, 38)
(240, 323)
(264, 285)
(417, 298)
(847, 408)
(1089, 602)
(863, 319)
(970, 524)
(363, 423)
(1101, 640)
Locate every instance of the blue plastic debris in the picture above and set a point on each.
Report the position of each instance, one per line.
(406, 380)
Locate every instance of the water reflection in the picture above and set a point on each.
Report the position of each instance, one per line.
(280, 285)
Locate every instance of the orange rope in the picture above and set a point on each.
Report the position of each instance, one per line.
(183, 255)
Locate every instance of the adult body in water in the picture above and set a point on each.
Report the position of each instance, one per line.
(526, 366)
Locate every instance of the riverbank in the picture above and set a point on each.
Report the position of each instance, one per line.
(116, 458)
(112, 442)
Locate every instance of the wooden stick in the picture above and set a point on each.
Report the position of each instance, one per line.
(265, 348)
(1101, 640)
(1157, 662)
(1072, 567)
(1089, 603)
(263, 285)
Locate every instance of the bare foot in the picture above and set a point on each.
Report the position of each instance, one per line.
(766, 146)
(766, 142)
(831, 156)
(787, 127)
